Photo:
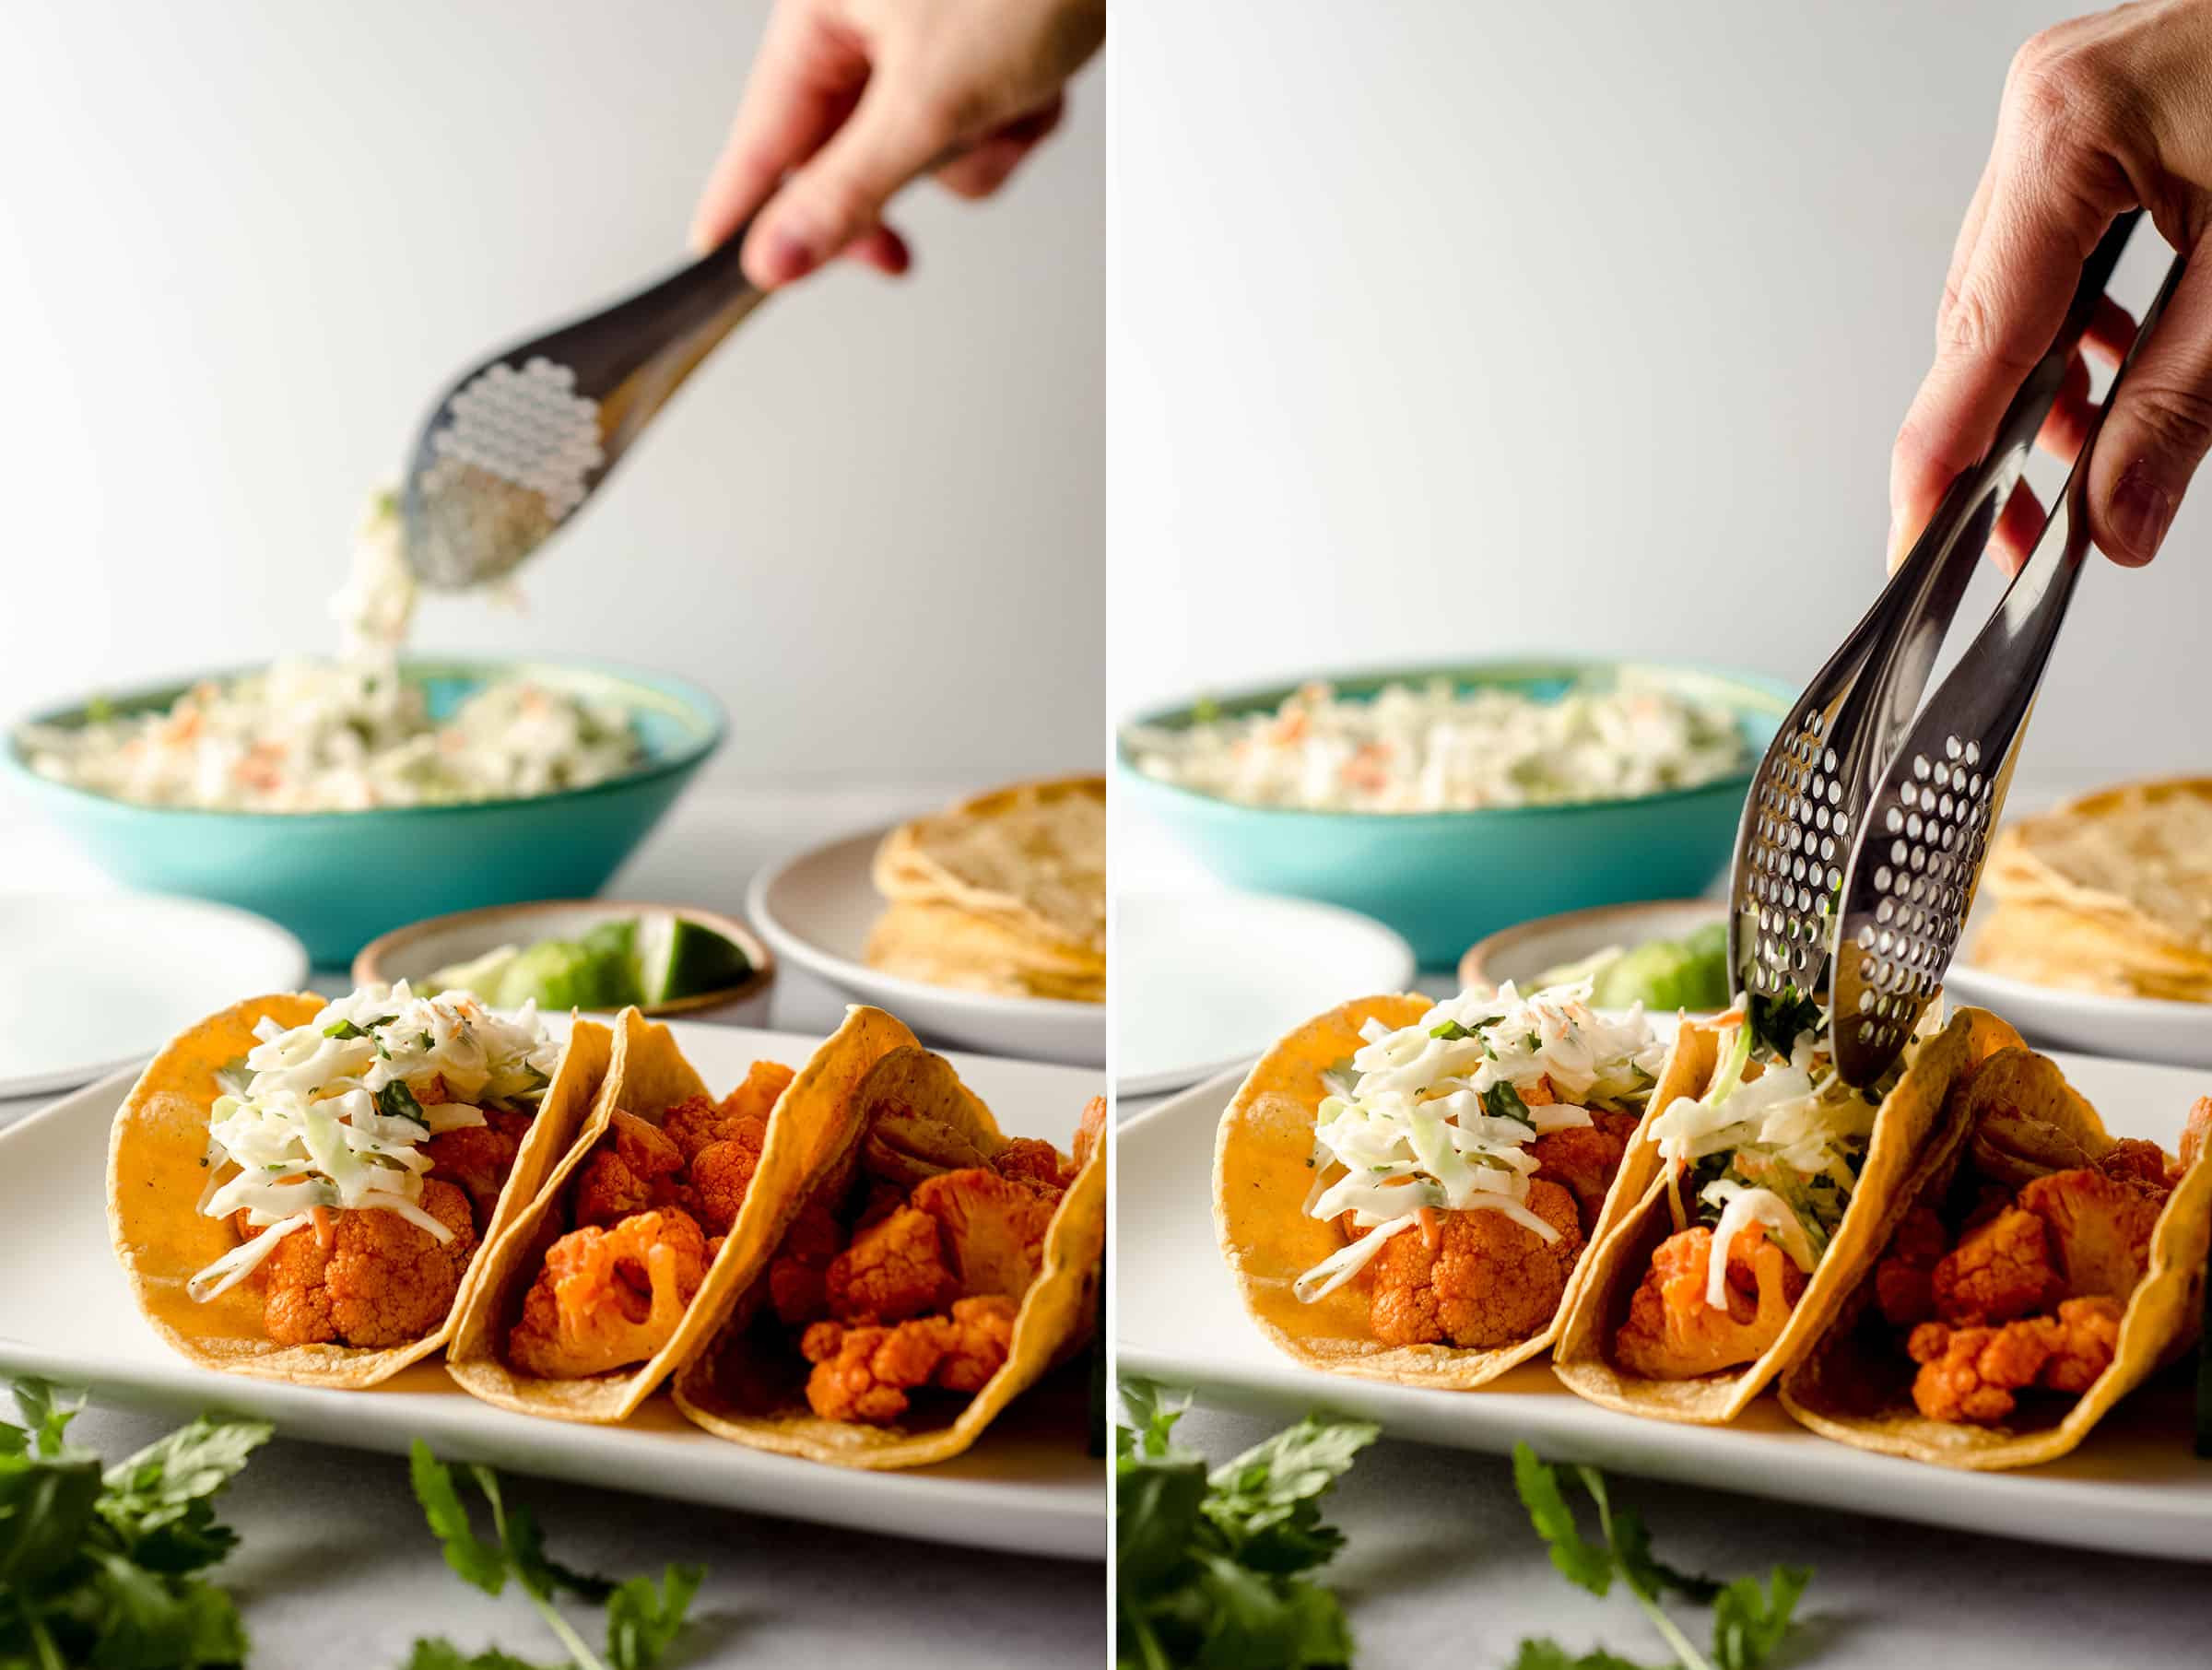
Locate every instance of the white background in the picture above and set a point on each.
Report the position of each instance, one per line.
(1442, 331)
(244, 243)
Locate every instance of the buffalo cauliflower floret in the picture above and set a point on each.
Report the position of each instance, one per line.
(475, 1159)
(2132, 1160)
(2000, 1269)
(894, 1270)
(1033, 1160)
(1904, 1280)
(2193, 1139)
(696, 1122)
(607, 1297)
(1581, 1160)
(795, 1273)
(994, 1230)
(867, 1373)
(722, 1171)
(2099, 1227)
(1672, 1333)
(368, 1278)
(632, 1168)
(1974, 1374)
(1477, 1279)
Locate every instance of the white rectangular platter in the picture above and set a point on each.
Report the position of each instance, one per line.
(2134, 1488)
(1028, 1486)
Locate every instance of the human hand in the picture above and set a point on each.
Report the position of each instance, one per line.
(850, 99)
(2099, 115)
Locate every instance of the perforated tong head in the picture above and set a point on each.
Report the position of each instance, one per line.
(1866, 827)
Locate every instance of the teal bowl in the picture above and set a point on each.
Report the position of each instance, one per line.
(338, 879)
(1445, 880)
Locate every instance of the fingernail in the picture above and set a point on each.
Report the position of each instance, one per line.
(2141, 509)
(789, 256)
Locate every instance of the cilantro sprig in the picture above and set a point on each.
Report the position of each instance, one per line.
(643, 1618)
(99, 1566)
(1211, 1561)
(1750, 1619)
(1777, 1021)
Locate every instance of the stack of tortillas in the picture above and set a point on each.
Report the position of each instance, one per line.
(1004, 893)
(2110, 893)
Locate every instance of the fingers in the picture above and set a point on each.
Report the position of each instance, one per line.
(837, 196)
(883, 249)
(986, 166)
(805, 81)
(2158, 429)
(2019, 525)
(2051, 188)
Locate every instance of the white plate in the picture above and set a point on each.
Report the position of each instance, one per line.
(2142, 1028)
(1028, 1486)
(89, 983)
(2133, 1487)
(815, 910)
(1226, 974)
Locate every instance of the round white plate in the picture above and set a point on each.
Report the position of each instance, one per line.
(1227, 974)
(89, 984)
(2138, 1028)
(815, 910)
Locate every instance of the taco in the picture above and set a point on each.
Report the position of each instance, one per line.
(300, 1190)
(1405, 1189)
(667, 1198)
(936, 1272)
(2032, 1272)
(1758, 1147)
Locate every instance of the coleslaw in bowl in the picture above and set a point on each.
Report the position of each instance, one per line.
(339, 876)
(1446, 878)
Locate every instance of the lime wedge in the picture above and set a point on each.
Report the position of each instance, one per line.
(481, 975)
(679, 959)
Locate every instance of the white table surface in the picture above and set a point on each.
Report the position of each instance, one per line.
(337, 1566)
(1442, 1569)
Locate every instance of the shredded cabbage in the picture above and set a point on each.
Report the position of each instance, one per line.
(1435, 1117)
(330, 1119)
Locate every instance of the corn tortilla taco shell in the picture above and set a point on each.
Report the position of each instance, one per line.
(1857, 1389)
(155, 1177)
(1914, 1114)
(1031, 855)
(2140, 852)
(945, 946)
(743, 1387)
(649, 1075)
(2061, 945)
(1262, 1176)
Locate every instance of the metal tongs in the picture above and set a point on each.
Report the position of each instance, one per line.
(1868, 821)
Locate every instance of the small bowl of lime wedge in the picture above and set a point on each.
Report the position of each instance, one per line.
(1666, 955)
(595, 955)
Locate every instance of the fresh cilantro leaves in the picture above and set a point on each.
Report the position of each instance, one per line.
(1209, 1563)
(643, 1618)
(100, 1564)
(1502, 1102)
(1777, 1021)
(397, 1101)
(1749, 1621)
(347, 1029)
(1451, 1031)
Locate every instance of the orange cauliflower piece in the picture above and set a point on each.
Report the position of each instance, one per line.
(1975, 1374)
(722, 1171)
(368, 1278)
(2132, 1160)
(894, 1270)
(867, 1373)
(994, 1228)
(475, 1159)
(2193, 1139)
(2099, 1228)
(1672, 1333)
(1033, 1160)
(2000, 1269)
(1904, 1280)
(795, 1286)
(1478, 1279)
(608, 1297)
(696, 1122)
(632, 1168)
(1581, 1160)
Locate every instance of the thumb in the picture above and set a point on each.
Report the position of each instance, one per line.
(838, 195)
(2159, 429)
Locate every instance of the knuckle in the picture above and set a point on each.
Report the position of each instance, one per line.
(2177, 417)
